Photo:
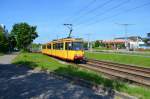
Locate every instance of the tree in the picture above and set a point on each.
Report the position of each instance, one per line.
(97, 43)
(24, 35)
(4, 45)
(12, 42)
(85, 45)
(146, 40)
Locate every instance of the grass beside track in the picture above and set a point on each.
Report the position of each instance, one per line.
(42, 61)
(1, 54)
(101, 48)
(125, 59)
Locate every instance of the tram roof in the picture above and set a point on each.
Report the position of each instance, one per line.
(66, 39)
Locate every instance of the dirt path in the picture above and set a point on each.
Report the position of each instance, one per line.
(23, 83)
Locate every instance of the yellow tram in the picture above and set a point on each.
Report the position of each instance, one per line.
(66, 48)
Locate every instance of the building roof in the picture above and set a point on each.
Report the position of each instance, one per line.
(117, 41)
(133, 38)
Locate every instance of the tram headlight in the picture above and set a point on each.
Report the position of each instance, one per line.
(78, 56)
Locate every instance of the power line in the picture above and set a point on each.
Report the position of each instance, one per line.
(81, 10)
(117, 14)
(87, 6)
(92, 10)
(106, 11)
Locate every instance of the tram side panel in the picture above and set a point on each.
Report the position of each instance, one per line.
(44, 49)
(75, 55)
(49, 51)
(62, 50)
(53, 50)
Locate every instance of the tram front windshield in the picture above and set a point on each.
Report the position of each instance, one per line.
(77, 45)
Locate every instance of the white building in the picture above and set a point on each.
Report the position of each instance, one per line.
(133, 42)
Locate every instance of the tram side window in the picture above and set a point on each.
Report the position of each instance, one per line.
(49, 46)
(54, 46)
(59, 46)
(68, 45)
(44, 47)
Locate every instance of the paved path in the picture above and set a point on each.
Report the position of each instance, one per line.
(23, 83)
(6, 59)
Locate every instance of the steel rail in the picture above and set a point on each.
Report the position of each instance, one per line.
(123, 68)
(119, 74)
(142, 69)
(139, 75)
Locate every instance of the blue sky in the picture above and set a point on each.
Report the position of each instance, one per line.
(49, 15)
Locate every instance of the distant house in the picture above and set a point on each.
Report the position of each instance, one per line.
(114, 44)
(146, 41)
(148, 38)
(131, 43)
(134, 42)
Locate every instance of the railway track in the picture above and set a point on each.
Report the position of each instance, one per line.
(135, 74)
(130, 73)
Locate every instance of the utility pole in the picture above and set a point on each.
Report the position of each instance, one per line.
(89, 42)
(69, 26)
(126, 35)
(57, 37)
